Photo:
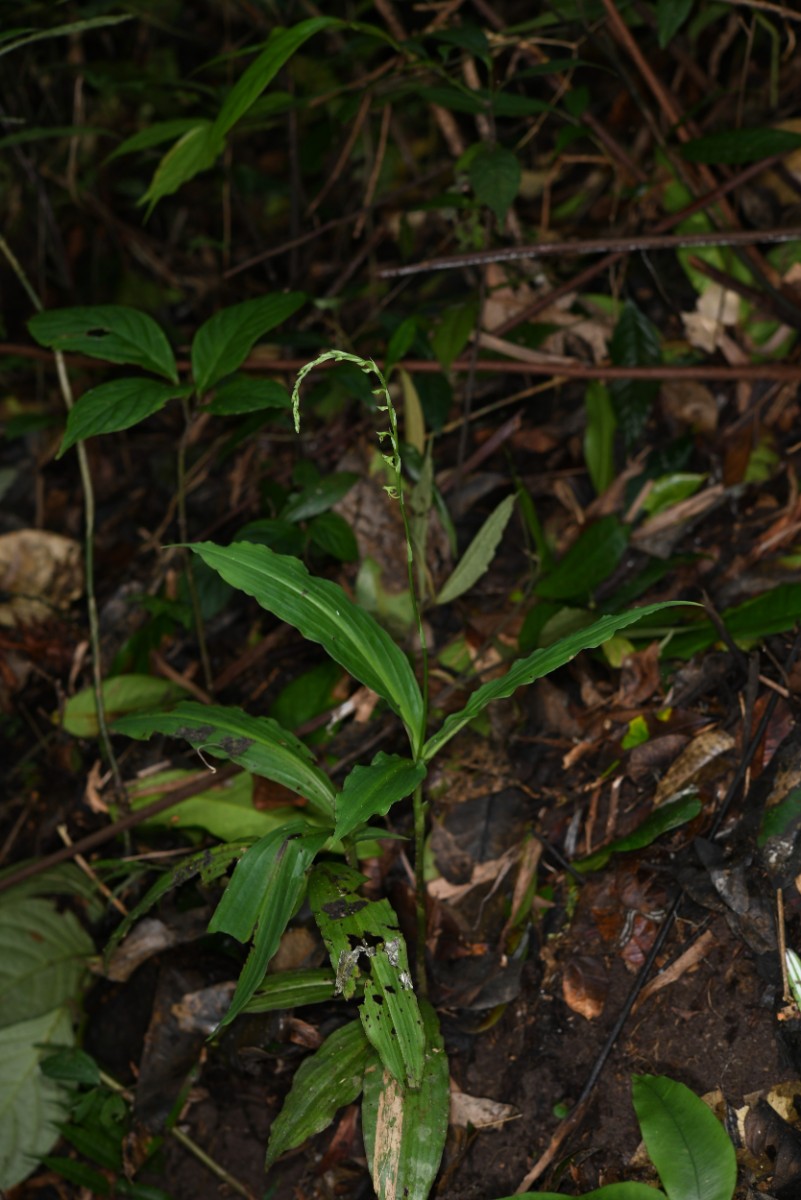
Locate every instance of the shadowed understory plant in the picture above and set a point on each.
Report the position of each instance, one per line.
(393, 1053)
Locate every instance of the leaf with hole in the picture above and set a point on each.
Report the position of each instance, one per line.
(323, 1083)
(322, 612)
(479, 554)
(405, 1129)
(365, 946)
(686, 1142)
(115, 406)
(223, 342)
(111, 332)
(258, 744)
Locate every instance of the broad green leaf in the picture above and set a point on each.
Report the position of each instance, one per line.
(405, 1129)
(453, 332)
(31, 1106)
(670, 16)
(244, 898)
(534, 666)
(479, 554)
(116, 405)
(740, 145)
(57, 31)
(365, 945)
(43, 959)
(333, 535)
(197, 150)
(281, 46)
(400, 343)
(243, 395)
(318, 497)
(223, 342)
(686, 1142)
(209, 864)
(111, 332)
(612, 1191)
(661, 820)
(153, 135)
(634, 343)
(293, 989)
(588, 562)
(322, 612)
(371, 791)
(282, 883)
(122, 694)
(774, 611)
(258, 744)
(225, 811)
(323, 1083)
(599, 436)
(495, 175)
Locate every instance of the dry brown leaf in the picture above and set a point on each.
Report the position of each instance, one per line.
(701, 750)
(479, 1111)
(41, 572)
(685, 962)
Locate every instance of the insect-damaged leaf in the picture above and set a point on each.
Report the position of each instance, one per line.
(365, 944)
(405, 1129)
(323, 1083)
(258, 744)
(112, 332)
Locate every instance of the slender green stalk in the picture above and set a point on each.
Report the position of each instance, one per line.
(416, 736)
(89, 536)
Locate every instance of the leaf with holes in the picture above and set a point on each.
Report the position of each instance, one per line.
(405, 1129)
(111, 332)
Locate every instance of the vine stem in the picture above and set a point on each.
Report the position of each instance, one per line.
(89, 535)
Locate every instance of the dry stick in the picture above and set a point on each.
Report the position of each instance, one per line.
(559, 369)
(589, 273)
(765, 6)
(193, 787)
(574, 1118)
(89, 532)
(616, 245)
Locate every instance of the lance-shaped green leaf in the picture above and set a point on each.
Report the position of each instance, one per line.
(111, 332)
(371, 791)
(265, 891)
(281, 46)
(208, 864)
(116, 405)
(479, 554)
(197, 150)
(323, 1083)
(293, 989)
(223, 343)
(258, 744)
(365, 945)
(686, 1142)
(322, 612)
(405, 1130)
(534, 666)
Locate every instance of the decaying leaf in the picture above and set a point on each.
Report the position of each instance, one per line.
(702, 750)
